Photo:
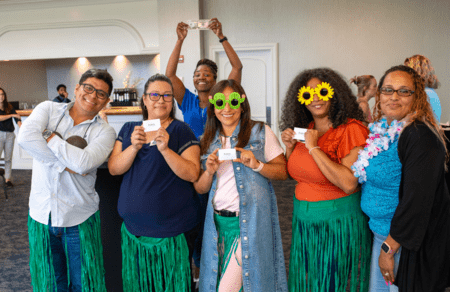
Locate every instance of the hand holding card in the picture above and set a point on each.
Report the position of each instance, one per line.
(300, 134)
(151, 125)
(227, 154)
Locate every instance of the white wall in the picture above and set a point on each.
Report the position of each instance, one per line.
(74, 31)
(170, 13)
(354, 37)
(24, 80)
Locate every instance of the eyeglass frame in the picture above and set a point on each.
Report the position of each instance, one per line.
(149, 95)
(96, 91)
(411, 92)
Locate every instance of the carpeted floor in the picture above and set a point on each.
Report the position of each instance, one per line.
(14, 250)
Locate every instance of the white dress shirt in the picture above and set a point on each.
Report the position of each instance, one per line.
(70, 198)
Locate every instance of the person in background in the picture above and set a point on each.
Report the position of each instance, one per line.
(7, 136)
(404, 192)
(205, 75)
(62, 94)
(64, 221)
(367, 88)
(242, 249)
(330, 237)
(157, 200)
(423, 67)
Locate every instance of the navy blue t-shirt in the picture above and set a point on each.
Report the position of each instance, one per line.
(153, 200)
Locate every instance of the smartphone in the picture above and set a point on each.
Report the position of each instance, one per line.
(198, 24)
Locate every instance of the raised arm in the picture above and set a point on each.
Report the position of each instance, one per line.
(171, 69)
(236, 65)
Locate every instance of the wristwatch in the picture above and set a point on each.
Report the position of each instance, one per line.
(46, 134)
(386, 248)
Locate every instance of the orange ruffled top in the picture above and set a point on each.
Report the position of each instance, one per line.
(337, 143)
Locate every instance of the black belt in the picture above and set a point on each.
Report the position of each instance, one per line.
(226, 213)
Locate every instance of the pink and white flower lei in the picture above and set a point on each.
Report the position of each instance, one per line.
(380, 138)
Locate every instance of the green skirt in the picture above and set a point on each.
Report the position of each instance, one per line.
(229, 233)
(155, 264)
(41, 263)
(327, 233)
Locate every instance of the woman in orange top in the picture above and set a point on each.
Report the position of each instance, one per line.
(330, 235)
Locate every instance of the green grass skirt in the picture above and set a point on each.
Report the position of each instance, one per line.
(326, 232)
(155, 264)
(229, 233)
(41, 263)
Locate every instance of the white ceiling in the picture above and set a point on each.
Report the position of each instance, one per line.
(9, 5)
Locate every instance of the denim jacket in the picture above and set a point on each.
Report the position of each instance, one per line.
(262, 251)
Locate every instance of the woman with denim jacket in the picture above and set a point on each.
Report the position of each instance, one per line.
(242, 247)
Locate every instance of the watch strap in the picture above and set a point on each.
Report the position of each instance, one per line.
(386, 248)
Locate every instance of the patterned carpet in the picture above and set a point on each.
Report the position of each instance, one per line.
(14, 250)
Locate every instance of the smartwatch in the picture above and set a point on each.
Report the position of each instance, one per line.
(46, 134)
(386, 248)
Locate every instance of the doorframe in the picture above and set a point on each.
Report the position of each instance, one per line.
(273, 48)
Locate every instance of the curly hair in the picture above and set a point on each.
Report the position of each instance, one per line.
(420, 109)
(362, 82)
(343, 104)
(211, 64)
(423, 67)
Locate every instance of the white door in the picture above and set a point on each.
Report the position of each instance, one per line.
(259, 78)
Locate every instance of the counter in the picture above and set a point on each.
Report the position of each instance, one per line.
(117, 116)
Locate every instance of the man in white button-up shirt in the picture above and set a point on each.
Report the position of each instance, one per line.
(64, 224)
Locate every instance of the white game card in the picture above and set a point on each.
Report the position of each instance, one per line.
(151, 125)
(300, 134)
(227, 154)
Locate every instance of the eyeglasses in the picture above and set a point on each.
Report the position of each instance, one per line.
(156, 96)
(234, 100)
(400, 92)
(100, 93)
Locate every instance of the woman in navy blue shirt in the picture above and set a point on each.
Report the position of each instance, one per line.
(157, 200)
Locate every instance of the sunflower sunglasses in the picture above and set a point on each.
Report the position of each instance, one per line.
(324, 91)
(234, 100)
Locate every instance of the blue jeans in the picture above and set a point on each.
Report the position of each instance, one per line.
(60, 239)
(377, 282)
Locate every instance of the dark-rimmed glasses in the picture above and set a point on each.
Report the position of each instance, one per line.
(400, 92)
(99, 93)
(156, 96)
